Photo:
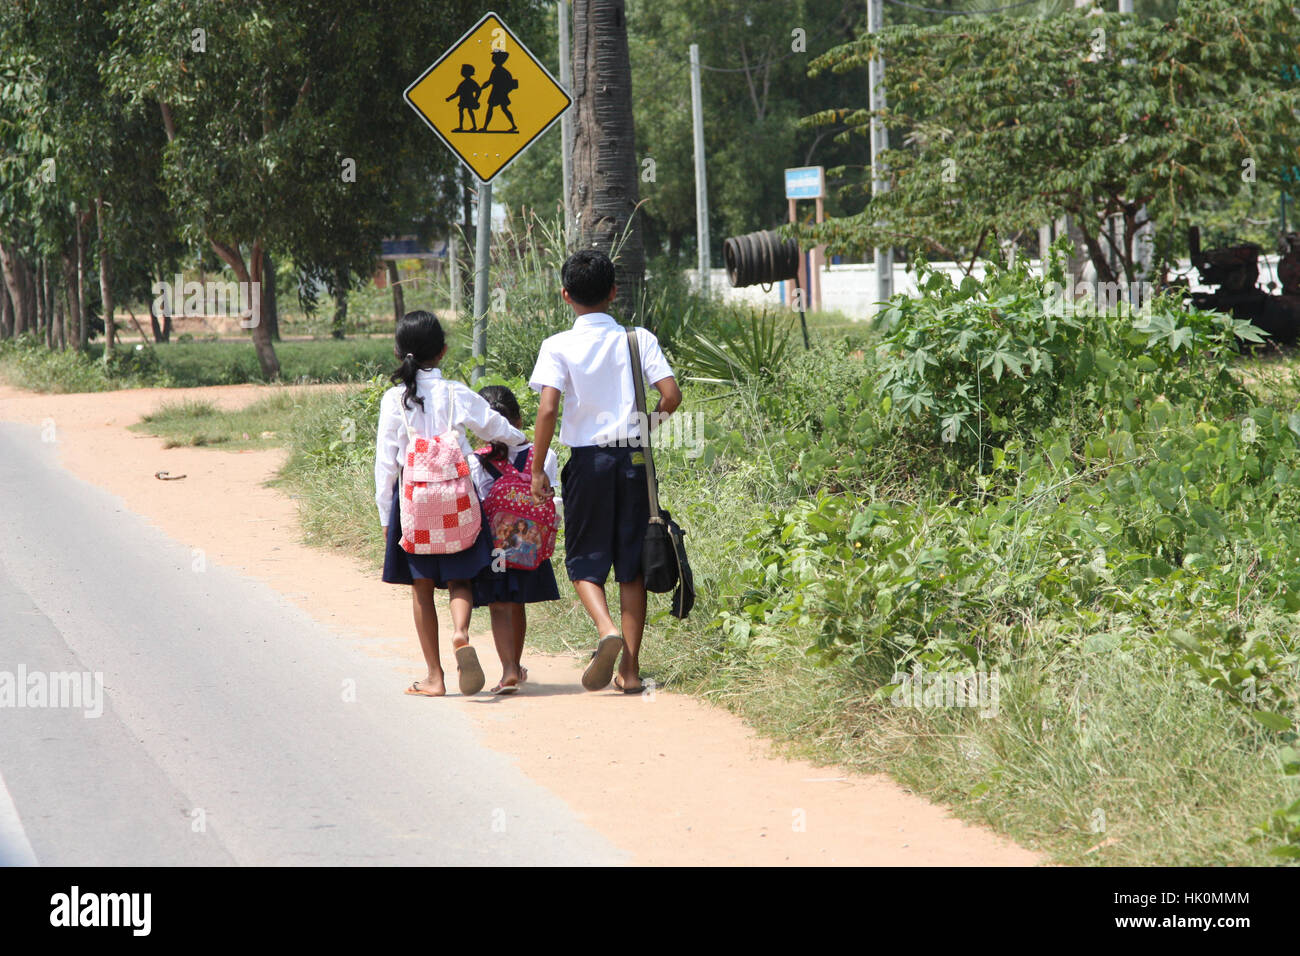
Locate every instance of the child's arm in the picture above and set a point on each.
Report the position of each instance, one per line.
(548, 410)
(389, 443)
(670, 397)
(660, 373)
(477, 415)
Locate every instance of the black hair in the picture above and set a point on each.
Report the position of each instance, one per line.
(420, 341)
(588, 277)
(502, 401)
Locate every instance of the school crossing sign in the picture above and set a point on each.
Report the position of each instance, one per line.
(488, 98)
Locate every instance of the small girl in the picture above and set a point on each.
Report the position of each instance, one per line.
(468, 92)
(434, 405)
(505, 592)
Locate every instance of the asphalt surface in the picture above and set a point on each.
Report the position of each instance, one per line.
(232, 729)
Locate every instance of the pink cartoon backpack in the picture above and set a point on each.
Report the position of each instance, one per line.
(523, 532)
(439, 507)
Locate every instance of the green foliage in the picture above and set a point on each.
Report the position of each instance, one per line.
(183, 364)
(755, 351)
(974, 364)
(999, 125)
(27, 363)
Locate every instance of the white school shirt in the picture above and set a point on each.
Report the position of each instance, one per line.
(484, 481)
(591, 366)
(447, 405)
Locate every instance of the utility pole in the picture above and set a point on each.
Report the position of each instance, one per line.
(879, 143)
(566, 124)
(483, 239)
(701, 179)
(453, 273)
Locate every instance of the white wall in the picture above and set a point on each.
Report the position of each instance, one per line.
(851, 288)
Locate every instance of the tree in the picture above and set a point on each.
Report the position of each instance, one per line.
(604, 149)
(1091, 114)
(753, 98)
(285, 125)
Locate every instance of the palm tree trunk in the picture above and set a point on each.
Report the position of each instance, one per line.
(605, 184)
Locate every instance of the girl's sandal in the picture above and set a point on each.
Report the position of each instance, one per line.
(618, 684)
(469, 670)
(601, 668)
(502, 689)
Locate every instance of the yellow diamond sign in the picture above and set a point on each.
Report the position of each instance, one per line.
(488, 98)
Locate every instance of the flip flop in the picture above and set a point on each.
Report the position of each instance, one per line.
(601, 668)
(523, 675)
(503, 689)
(414, 691)
(618, 683)
(470, 672)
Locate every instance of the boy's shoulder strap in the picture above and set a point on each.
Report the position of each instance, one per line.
(638, 386)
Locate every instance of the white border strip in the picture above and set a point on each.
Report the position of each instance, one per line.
(15, 850)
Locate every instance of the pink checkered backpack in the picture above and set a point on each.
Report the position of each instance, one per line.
(439, 506)
(523, 532)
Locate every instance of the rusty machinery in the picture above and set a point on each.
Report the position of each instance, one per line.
(1235, 270)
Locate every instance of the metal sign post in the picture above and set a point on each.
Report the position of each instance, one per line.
(702, 260)
(808, 182)
(488, 99)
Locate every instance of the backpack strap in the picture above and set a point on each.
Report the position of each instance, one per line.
(410, 432)
(505, 466)
(638, 388)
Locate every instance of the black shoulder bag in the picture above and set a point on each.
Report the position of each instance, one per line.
(663, 556)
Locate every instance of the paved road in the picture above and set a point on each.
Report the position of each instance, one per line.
(225, 736)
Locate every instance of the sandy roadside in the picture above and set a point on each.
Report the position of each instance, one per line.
(669, 778)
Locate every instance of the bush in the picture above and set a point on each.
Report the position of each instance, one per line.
(974, 364)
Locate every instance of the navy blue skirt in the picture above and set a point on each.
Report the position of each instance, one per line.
(515, 585)
(403, 568)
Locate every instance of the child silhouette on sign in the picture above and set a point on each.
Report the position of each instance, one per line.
(503, 84)
(468, 92)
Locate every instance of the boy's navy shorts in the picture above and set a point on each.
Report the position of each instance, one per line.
(606, 510)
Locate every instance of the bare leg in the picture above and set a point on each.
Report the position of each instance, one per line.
(513, 127)
(521, 628)
(426, 626)
(503, 633)
(592, 596)
(632, 604)
(487, 119)
(462, 605)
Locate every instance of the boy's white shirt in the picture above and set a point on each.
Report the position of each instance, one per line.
(591, 366)
(447, 404)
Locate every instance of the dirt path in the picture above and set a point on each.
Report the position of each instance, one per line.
(669, 778)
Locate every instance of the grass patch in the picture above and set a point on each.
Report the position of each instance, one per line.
(263, 424)
(190, 364)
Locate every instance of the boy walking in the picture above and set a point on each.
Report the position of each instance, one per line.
(606, 506)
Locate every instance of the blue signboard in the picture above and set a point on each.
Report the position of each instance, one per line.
(805, 182)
